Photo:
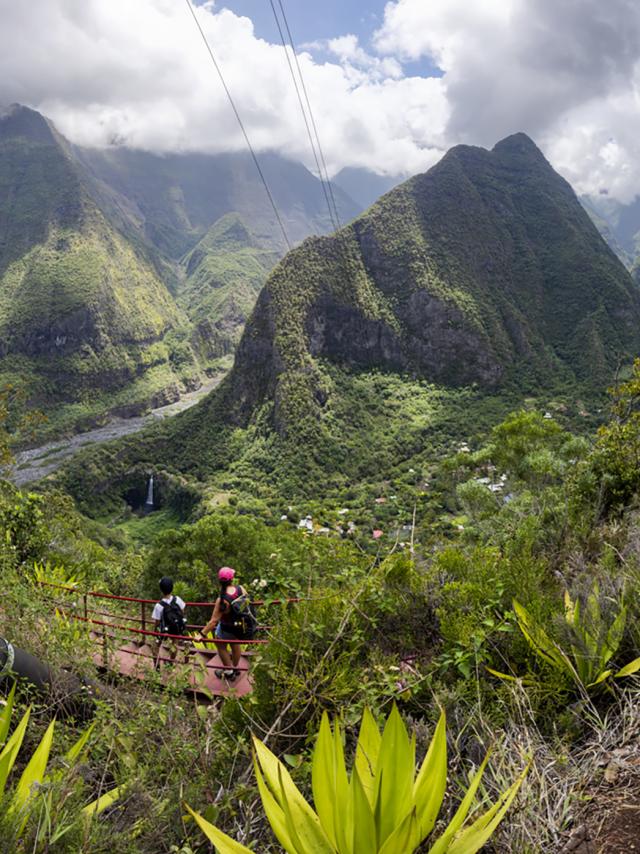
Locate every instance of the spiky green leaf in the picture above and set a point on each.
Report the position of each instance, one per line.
(224, 844)
(431, 782)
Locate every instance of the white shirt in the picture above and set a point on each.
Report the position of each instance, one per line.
(157, 609)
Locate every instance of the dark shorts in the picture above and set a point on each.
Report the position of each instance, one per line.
(225, 633)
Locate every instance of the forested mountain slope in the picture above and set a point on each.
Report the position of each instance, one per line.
(483, 270)
(82, 310)
(121, 281)
(483, 277)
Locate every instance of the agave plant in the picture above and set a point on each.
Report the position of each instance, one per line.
(382, 807)
(593, 644)
(32, 782)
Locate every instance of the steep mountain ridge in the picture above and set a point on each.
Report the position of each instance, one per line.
(223, 276)
(484, 262)
(454, 297)
(81, 309)
(118, 271)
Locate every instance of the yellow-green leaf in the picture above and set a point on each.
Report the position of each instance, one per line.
(304, 825)
(440, 846)
(364, 826)
(505, 676)
(74, 752)
(323, 778)
(404, 838)
(269, 766)
(538, 639)
(569, 610)
(274, 812)
(431, 781)
(343, 816)
(34, 772)
(604, 675)
(476, 835)
(395, 791)
(11, 748)
(224, 844)
(367, 751)
(5, 716)
(284, 789)
(628, 669)
(614, 635)
(103, 802)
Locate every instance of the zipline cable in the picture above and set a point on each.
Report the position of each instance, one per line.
(323, 182)
(308, 102)
(239, 120)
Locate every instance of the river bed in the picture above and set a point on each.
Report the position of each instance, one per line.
(35, 463)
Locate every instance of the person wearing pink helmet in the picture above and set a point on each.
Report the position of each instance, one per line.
(223, 623)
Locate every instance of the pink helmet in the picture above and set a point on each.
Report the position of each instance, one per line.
(226, 573)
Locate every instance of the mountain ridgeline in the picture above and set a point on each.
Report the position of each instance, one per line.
(484, 270)
(458, 294)
(125, 275)
(82, 310)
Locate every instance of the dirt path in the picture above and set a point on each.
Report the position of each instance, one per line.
(36, 463)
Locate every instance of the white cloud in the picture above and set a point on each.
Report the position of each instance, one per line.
(565, 71)
(139, 73)
(352, 56)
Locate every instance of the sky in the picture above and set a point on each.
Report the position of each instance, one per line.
(392, 85)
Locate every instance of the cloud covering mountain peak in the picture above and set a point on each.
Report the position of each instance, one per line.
(139, 74)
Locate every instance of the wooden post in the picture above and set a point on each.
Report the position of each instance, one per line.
(86, 612)
(143, 618)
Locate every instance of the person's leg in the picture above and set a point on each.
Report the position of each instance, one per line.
(225, 658)
(156, 652)
(236, 652)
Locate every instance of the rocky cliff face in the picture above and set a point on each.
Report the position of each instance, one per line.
(483, 268)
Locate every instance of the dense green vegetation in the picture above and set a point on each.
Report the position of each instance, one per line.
(523, 511)
(125, 276)
(223, 276)
(413, 442)
(86, 323)
(459, 294)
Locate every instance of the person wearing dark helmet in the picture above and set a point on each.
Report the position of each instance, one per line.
(224, 623)
(168, 617)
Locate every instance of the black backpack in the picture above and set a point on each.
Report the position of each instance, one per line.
(172, 621)
(241, 614)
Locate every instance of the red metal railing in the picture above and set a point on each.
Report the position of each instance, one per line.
(154, 601)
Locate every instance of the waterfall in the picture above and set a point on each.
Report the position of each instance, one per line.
(148, 504)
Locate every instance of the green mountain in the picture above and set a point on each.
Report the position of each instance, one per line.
(173, 199)
(455, 296)
(482, 270)
(125, 275)
(178, 207)
(619, 224)
(223, 276)
(83, 312)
